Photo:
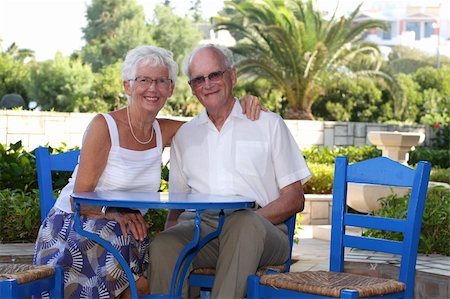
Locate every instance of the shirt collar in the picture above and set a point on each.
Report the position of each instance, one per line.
(235, 112)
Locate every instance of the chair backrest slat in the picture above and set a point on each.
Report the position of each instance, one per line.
(379, 171)
(45, 164)
(389, 246)
(388, 173)
(64, 161)
(380, 223)
(290, 223)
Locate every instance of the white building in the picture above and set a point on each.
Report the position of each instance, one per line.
(424, 25)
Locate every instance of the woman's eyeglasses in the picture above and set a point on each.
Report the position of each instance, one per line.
(200, 80)
(143, 81)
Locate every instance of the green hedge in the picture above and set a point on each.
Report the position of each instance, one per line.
(435, 232)
(327, 155)
(19, 195)
(322, 180)
(20, 215)
(438, 157)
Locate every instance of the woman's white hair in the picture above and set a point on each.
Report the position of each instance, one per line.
(148, 56)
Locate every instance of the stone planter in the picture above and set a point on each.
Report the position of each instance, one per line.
(395, 145)
(365, 198)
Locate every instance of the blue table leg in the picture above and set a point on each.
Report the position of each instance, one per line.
(191, 255)
(181, 258)
(108, 247)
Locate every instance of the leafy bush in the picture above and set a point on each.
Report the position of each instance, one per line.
(328, 156)
(440, 175)
(408, 60)
(156, 219)
(20, 215)
(438, 157)
(322, 180)
(321, 163)
(435, 232)
(18, 168)
(347, 99)
(441, 139)
(19, 194)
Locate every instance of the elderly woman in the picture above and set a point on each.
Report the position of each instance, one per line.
(121, 151)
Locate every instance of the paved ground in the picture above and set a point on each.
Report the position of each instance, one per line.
(308, 254)
(313, 254)
(432, 278)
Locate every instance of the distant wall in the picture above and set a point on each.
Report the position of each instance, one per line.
(37, 128)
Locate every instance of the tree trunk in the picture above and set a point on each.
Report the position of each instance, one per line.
(299, 114)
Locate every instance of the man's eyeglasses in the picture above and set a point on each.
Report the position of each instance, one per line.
(200, 80)
(143, 81)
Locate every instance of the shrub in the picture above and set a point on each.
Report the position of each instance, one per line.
(328, 156)
(20, 215)
(438, 157)
(322, 180)
(19, 194)
(435, 232)
(441, 139)
(18, 168)
(156, 219)
(440, 175)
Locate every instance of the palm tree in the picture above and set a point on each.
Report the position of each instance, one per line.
(291, 45)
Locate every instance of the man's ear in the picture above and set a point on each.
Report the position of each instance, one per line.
(233, 75)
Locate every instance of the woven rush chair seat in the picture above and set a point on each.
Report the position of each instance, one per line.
(24, 273)
(261, 270)
(331, 283)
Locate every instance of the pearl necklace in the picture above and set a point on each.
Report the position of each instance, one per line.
(132, 132)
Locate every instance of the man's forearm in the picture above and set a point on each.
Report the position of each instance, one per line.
(291, 201)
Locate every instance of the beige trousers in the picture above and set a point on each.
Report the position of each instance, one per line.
(247, 241)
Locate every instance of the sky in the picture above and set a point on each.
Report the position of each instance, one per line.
(48, 26)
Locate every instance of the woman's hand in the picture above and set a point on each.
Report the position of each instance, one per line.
(129, 220)
(251, 107)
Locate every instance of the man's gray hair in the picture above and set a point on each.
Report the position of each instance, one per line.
(226, 53)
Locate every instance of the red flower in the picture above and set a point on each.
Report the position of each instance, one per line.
(436, 125)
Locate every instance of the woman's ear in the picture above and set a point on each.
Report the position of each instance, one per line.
(172, 88)
(127, 87)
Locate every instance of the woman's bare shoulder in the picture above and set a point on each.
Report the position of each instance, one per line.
(97, 127)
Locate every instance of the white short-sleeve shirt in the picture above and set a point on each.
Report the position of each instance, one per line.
(249, 158)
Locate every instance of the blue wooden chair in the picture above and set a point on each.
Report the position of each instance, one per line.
(203, 278)
(22, 280)
(337, 283)
(45, 164)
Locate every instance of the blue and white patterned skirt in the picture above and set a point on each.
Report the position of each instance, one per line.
(89, 270)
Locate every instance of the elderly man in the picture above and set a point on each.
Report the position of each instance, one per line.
(221, 152)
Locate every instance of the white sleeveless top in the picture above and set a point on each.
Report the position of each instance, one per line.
(126, 170)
